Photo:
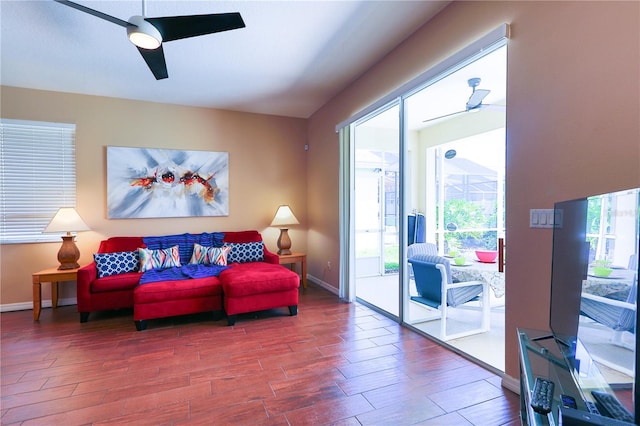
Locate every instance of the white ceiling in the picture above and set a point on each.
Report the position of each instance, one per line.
(292, 57)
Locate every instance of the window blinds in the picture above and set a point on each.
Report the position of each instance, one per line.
(37, 177)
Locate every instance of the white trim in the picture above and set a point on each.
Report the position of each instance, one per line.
(458, 59)
(28, 306)
(22, 306)
(347, 218)
(323, 284)
(511, 383)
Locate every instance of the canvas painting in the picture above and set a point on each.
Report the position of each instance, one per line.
(153, 183)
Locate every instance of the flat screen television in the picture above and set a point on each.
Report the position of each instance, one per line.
(594, 280)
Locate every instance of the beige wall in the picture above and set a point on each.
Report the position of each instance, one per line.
(573, 125)
(267, 167)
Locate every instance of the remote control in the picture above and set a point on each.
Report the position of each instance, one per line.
(568, 401)
(542, 395)
(609, 405)
(591, 407)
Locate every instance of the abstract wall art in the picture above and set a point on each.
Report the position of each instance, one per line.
(153, 183)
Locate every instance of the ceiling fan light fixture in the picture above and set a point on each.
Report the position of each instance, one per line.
(143, 34)
(148, 35)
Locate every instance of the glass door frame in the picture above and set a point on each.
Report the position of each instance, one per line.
(491, 41)
(401, 230)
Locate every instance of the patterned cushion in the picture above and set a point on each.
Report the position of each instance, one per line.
(209, 255)
(245, 252)
(158, 259)
(116, 263)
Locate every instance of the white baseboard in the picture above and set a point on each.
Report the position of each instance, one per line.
(23, 306)
(323, 284)
(511, 383)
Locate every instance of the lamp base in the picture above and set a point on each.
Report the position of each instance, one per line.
(68, 254)
(284, 242)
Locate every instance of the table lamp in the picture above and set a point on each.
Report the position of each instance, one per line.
(67, 220)
(283, 218)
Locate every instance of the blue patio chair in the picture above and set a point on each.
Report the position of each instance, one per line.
(437, 291)
(419, 249)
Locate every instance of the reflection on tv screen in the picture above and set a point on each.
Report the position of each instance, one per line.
(594, 284)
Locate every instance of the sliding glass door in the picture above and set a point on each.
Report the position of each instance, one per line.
(376, 209)
(456, 132)
(427, 165)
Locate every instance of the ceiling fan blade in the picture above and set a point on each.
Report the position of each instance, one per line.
(476, 98)
(94, 12)
(178, 27)
(444, 116)
(493, 107)
(155, 60)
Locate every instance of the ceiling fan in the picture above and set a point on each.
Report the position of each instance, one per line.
(474, 103)
(148, 34)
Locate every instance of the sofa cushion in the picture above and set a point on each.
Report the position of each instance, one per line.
(257, 278)
(245, 252)
(158, 259)
(209, 255)
(242, 237)
(177, 290)
(114, 244)
(126, 281)
(116, 263)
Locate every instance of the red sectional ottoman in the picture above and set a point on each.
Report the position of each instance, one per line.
(257, 286)
(171, 298)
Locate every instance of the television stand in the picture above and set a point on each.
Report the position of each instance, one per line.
(543, 337)
(573, 372)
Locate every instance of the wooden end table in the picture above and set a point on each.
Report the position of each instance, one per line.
(293, 259)
(54, 276)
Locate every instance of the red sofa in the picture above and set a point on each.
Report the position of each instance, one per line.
(242, 288)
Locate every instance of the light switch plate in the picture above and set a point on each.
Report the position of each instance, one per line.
(541, 218)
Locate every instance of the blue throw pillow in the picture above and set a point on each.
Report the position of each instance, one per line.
(116, 263)
(245, 252)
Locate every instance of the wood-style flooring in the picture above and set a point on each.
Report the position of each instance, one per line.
(334, 363)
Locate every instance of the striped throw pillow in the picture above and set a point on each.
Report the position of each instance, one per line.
(158, 259)
(209, 255)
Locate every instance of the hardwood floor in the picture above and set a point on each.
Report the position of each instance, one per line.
(334, 363)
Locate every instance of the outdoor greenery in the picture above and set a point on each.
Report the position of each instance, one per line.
(463, 214)
(391, 256)
(594, 218)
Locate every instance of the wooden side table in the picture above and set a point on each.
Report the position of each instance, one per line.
(54, 276)
(293, 259)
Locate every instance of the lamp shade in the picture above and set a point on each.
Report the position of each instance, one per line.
(67, 220)
(284, 217)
